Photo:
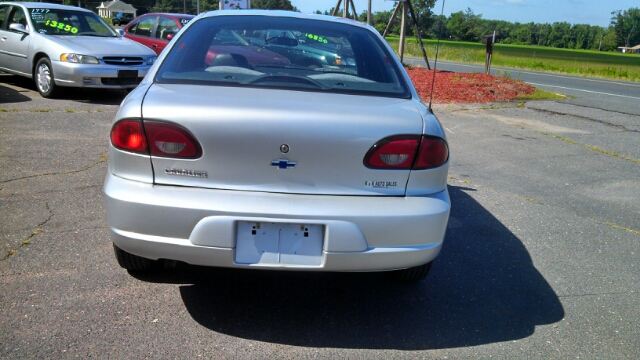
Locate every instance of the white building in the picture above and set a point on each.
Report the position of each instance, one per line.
(111, 8)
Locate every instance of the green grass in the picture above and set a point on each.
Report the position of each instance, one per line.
(541, 95)
(610, 65)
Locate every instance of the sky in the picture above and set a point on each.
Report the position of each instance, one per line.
(592, 12)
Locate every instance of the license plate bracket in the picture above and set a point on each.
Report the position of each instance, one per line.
(127, 74)
(271, 243)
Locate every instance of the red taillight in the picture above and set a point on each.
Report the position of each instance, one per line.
(168, 140)
(404, 152)
(128, 135)
(396, 152)
(157, 138)
(433, 152)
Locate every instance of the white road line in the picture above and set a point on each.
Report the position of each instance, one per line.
(589, 91)
(575, 77)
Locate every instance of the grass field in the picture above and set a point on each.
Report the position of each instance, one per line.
(610, 65)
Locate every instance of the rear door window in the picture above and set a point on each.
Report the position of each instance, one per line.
(143, 27)
(166, 27)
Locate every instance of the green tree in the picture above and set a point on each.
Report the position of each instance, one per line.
(273, 5)
(626, 25)
(465, 25)
(424, 15)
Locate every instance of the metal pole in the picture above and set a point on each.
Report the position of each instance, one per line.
(369, 13)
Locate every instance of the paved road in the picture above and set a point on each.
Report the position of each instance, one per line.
(541, 258)
(616, 96)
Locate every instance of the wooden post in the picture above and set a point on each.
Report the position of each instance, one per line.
(403, 31)
(353, 10)
(335, 9)
(393, 16)
(415, 27)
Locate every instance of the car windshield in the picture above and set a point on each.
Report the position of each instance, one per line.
(281, 52)
(69, 22)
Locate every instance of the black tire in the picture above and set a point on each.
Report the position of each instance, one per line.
(134, 262)
(412, 275)
(44, 79)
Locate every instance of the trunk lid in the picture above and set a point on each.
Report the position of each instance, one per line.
(242, 130)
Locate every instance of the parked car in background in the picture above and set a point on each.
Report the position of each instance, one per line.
(121, 19)
(64, 46)
(305, 49)
(277, 166)
(155, 30)
(228, 43)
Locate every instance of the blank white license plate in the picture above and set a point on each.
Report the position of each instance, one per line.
(278, 243)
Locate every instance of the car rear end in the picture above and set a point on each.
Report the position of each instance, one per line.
(278, 166)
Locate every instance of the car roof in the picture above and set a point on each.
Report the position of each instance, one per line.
(285, 13)
(38, 5)
(181, 16)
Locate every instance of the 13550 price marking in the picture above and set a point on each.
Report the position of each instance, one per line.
(62, 26)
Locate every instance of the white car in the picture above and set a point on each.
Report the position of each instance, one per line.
(230, 162)
(64, 46)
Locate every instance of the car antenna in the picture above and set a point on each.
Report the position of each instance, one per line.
(435, 63)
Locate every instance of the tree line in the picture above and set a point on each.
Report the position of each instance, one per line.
(624, 28)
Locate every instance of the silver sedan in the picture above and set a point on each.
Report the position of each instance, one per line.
(65, 46)
(232, 162)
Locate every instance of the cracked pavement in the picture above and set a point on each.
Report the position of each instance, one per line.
(541, 258)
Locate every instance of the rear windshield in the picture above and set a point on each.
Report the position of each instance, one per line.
(280, 52)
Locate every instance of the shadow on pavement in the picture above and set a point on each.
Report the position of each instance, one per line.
(10, 95)
(483, 288)
(28, 90)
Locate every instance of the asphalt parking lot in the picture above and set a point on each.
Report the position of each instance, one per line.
(541, 257)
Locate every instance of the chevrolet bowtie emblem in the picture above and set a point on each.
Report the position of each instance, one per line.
(283, 163)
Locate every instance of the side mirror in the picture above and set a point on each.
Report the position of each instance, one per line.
(120, 32)
(19, 28)
(169, 37)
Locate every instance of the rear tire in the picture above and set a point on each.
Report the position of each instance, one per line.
(133, 262)
(412, 275)
(43, 76)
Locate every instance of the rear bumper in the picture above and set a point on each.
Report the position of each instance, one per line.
(199, 226)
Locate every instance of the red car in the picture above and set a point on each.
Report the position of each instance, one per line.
(155, 30)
